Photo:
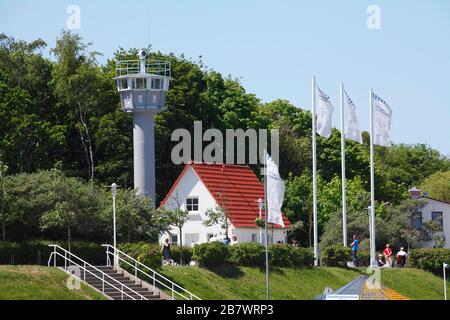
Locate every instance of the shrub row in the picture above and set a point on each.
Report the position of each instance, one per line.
(38, 252)
(150, 253)
(429, 259)
(252, 254)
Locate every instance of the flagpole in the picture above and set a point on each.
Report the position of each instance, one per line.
(344, 198)
(372, 189)
(265, 227)
(316, 248)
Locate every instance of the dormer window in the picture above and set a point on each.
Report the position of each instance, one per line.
(192, 204)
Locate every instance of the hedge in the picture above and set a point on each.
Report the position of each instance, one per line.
(252, 254)
(148, 254)
(211, 254)
(337, 256)
(38, 252)
(429, 259)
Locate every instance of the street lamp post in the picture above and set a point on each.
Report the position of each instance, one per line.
(444, 267)
(260, 207)
(114, 192)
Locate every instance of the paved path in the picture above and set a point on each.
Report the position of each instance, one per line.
(359, 287)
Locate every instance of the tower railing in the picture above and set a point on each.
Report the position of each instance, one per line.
(72, 260)
(155, 67)
(140, 269)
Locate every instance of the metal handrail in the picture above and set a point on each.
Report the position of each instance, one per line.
(86, 264)
(156, 67)
(174, 288)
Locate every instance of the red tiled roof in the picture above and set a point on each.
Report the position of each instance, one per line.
(235, 188)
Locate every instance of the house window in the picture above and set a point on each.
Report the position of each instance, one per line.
(254, 237)
(437, 216)
(417, 220)
(174, 239)
(192, 204)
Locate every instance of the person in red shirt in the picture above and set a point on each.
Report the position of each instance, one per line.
(388, 255)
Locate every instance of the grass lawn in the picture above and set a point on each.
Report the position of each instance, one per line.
(414, 283)
(40, 283)
(243, 283)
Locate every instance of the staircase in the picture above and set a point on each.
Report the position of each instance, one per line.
(117, 283)
(137, 292)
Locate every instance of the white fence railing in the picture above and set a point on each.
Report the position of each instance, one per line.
(140, 269)
(72, 260)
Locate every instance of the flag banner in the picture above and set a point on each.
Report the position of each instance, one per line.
(275, 193)
(324, 112)
(352, 131)
(382, 114)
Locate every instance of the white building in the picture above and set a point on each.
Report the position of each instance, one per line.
(235, 188)
(434, 210)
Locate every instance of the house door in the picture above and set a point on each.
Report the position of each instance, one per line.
(191, 238)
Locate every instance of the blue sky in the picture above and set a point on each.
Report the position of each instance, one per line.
(276, 46)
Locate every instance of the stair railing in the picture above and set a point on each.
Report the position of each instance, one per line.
(158, 279)
(106, 279)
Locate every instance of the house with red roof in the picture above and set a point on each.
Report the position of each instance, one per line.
(235, 188)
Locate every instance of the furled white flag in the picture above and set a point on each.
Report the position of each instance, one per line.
(352, 131)
(275, 193)
(324, 112)
(382, 114)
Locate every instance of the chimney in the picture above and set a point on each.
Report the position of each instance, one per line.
(415, 193)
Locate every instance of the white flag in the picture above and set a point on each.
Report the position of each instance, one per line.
(324, 112)
(275, 193)
(382, 114)
(352, 131)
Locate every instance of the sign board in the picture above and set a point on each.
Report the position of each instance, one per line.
(342, 297)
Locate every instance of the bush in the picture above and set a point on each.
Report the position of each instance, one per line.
(302, 257)
(280, 255)
(211, 254)
(250, 254)
(337, 256)
(148, 254)
(38, 252)
(175, 254)
(429, 259)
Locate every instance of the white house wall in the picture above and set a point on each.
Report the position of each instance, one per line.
(191, 186)
(437, 206)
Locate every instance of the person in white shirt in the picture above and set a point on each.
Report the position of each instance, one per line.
(401, 258)
(234, 240)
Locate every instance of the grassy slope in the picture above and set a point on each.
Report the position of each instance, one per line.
(40, 283)
(228, 283)
(413, 283)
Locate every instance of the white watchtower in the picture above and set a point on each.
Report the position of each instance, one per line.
(143, 87)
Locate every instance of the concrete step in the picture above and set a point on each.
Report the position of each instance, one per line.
(118, 296)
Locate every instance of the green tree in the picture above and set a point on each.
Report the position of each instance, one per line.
(437, 185)
(137, 219)
(219, 214)
(178, 218)
(74, 209)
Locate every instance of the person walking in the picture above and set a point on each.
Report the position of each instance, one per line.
(401, 258)
(165, 250)
(355, 247)
(387, 252)
(234, 240)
